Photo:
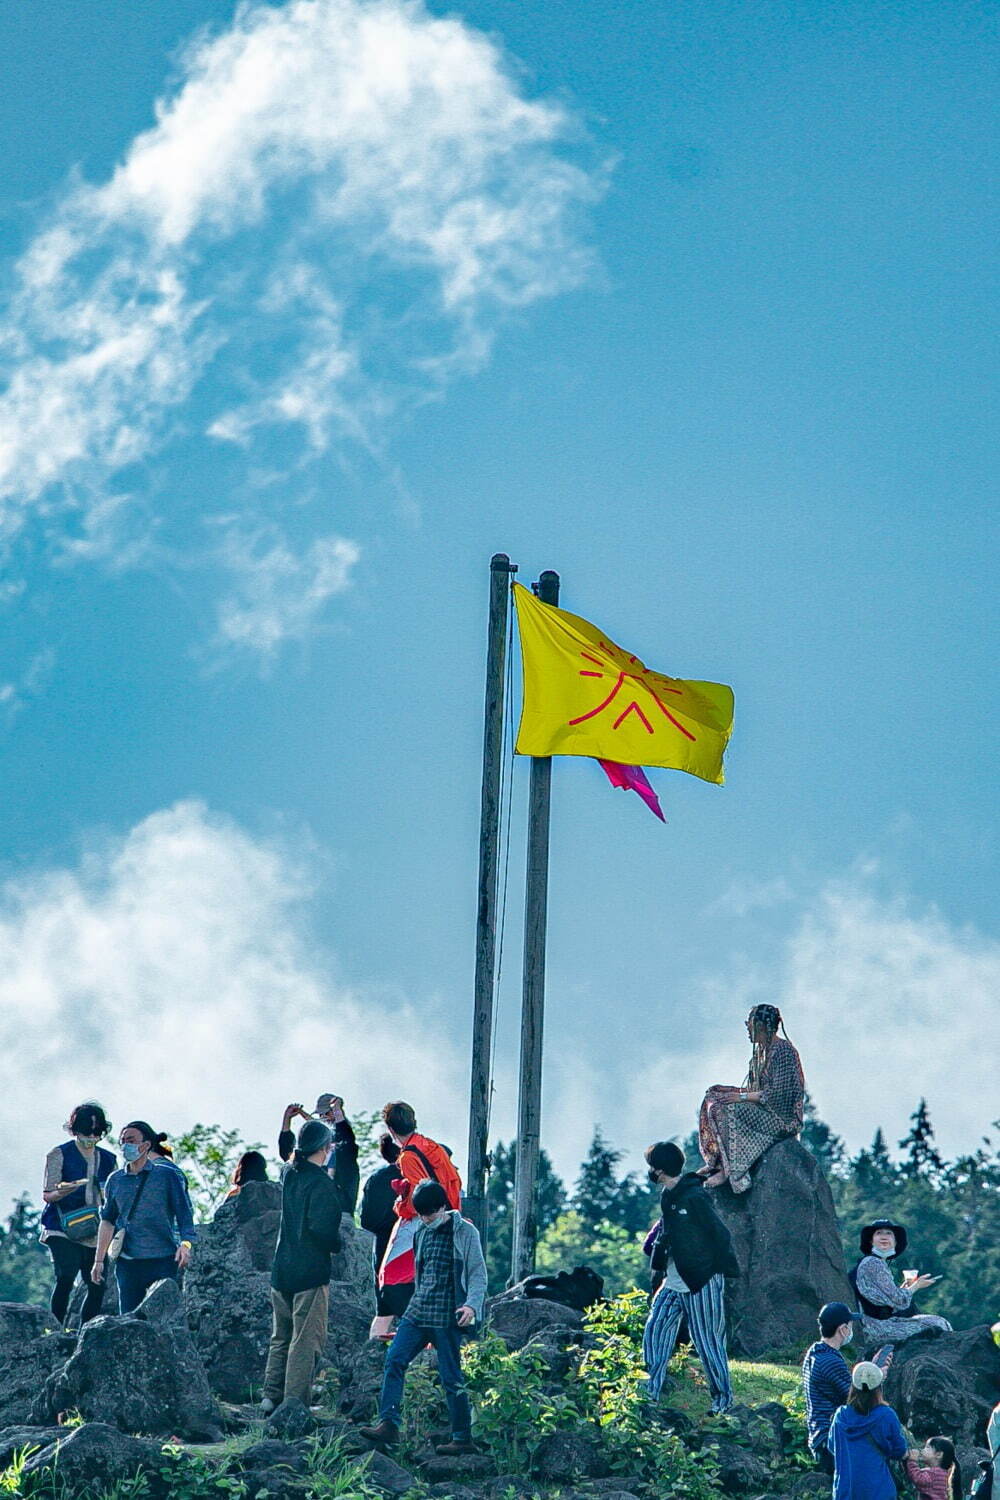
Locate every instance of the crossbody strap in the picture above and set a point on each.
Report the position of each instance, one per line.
(135, 1201)
(426, 1164)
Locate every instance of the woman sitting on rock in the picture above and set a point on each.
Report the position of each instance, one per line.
(737, 1125)
(887, 1313)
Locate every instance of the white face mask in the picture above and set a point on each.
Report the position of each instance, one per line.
(884, 1254)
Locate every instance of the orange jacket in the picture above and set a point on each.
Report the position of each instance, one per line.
(413, 1170)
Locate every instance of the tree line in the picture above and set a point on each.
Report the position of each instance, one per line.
(951, 1209)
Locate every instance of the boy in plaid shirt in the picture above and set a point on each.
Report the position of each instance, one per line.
(449, 1295)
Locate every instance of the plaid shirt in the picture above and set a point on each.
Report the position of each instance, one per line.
(433, 1302)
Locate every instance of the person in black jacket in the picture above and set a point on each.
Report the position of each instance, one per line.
(691, 1254)
(300, 1276)
(378, 1216)
(342, 1157)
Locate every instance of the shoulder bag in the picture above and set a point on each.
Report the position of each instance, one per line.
(118, 1238)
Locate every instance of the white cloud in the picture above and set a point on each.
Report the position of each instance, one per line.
(277, 595)
(322, 146)
(886, 1003)
(171, 976)
(18, 691)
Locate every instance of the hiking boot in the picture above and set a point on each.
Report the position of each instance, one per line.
(456, 1448)
(383, 1434)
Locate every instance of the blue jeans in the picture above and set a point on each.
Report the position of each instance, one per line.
(135, 1277)
(409, 1340)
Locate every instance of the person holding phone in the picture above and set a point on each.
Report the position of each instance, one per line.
(449, 1297)
(887, 1311)
(342, 1158)
(73, 1190)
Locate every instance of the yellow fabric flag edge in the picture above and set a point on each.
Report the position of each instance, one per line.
(545, 629)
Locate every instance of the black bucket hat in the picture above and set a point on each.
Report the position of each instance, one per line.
(868, 1234)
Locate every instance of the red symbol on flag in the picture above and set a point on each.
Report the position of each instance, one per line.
(632, 707)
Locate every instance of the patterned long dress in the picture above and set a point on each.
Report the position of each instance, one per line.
(876, 1285)
(734, 1133)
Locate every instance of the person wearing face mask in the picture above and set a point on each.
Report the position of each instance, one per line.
(149, 1203)
(449, 1295)
(691, 1254)
(887, 1311)
(73, 1189)
(826, 1378)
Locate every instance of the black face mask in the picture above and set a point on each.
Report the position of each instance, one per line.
(653, 1177)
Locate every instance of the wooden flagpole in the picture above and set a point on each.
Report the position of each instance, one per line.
(529, 1107)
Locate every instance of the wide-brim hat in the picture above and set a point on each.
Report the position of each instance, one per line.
(868, 1234)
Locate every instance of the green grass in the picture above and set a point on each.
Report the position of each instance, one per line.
(754, 1383)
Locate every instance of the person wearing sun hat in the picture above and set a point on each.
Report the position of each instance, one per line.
(865, 1435)
(887, 1312)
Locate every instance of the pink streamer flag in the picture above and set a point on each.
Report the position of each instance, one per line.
(633, 779)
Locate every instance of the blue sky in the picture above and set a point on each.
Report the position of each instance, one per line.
(310, 308)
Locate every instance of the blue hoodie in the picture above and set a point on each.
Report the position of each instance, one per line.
(861, 1448)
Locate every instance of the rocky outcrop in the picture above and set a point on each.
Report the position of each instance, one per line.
(227, 1289)
(517, 1319)
(946, 1382)
(94, 1458)
(137, 1374)
(15, 1440)
(31, 1349)
(787, 1242)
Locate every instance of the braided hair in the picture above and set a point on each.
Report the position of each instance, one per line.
(769, 1019)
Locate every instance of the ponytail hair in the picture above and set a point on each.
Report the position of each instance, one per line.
(949, 1463)
(146, 1131)
(161, 1143)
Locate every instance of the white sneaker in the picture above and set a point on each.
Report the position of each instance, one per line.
(267, 1406)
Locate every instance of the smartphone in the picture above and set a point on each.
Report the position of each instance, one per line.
(882, 1356)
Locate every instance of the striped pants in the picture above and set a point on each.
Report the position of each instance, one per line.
(706, 1319)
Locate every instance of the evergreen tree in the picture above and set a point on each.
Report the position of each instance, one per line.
(827, 1147)
(922, 1156)
(550, 1201)
(25, 1268)
(601, 1197)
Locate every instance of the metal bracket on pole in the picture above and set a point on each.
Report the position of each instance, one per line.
(533, 998)
(501, 569)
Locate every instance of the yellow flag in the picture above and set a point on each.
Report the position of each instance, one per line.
(583, 695)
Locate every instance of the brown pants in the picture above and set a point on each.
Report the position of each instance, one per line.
(298, 1337)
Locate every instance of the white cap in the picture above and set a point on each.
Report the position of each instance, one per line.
(867, 1376)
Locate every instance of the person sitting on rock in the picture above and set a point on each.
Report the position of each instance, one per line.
(449, 1296)
(941, 1479)
(150, 1205)
(826, 1379)
(309, 1234)
(691, 1254)
(865, 1435)
(737, 1125)
(342, 1162)
(420, 1158)
(251, 1167)
(887, 1312)
(75, 1174)
(378, 1216)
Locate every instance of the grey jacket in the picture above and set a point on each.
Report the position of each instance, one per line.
(470, 1267)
